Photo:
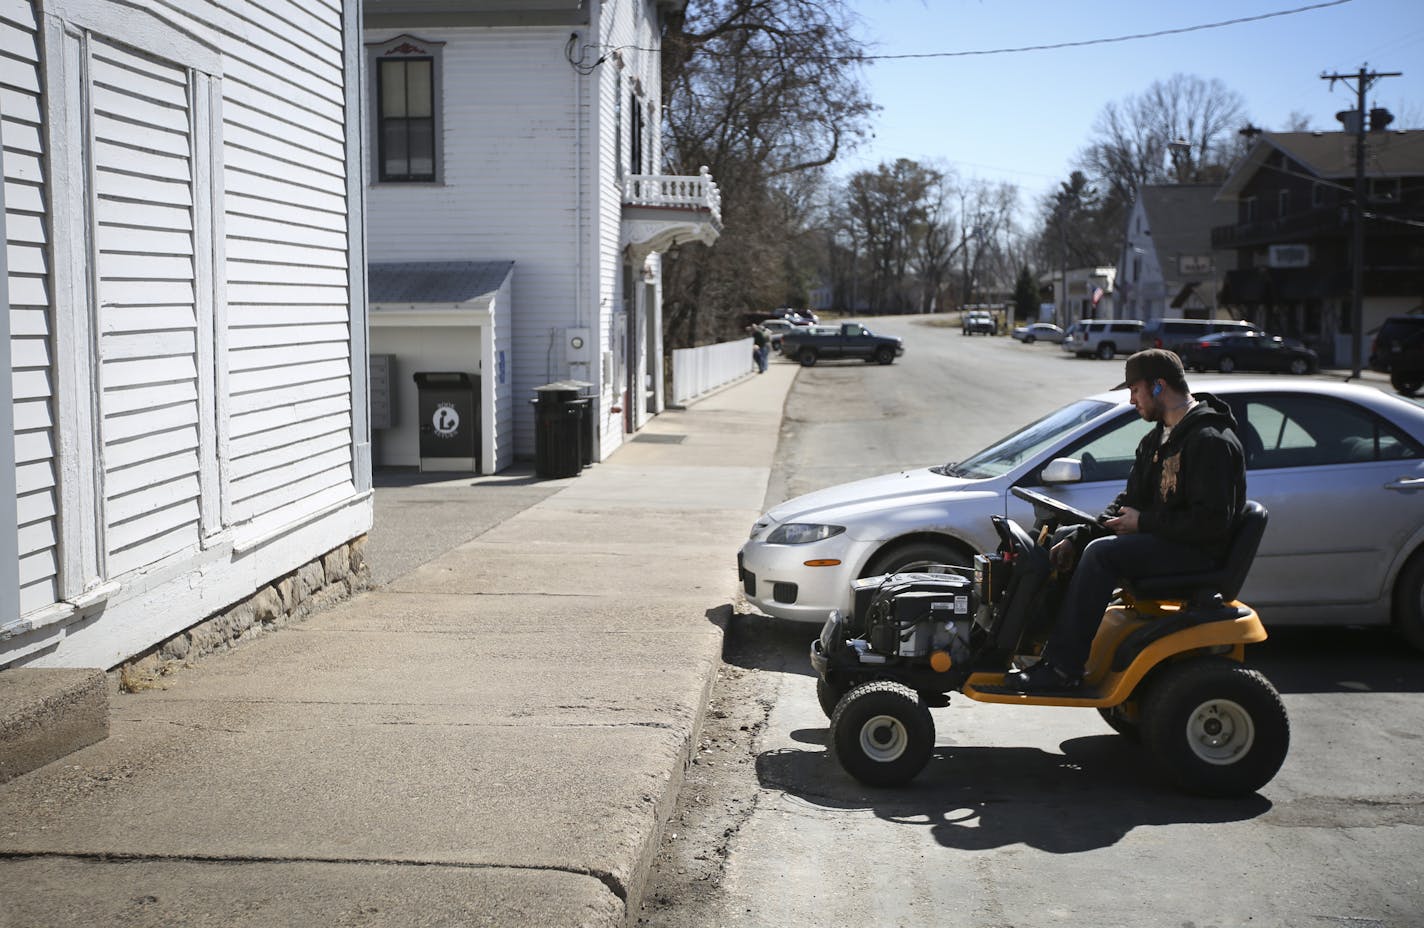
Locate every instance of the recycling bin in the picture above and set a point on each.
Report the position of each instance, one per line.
(448, 404)
(558, 430)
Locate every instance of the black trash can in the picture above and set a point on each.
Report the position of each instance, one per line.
(558, 430)
(589, 441)
(449, 420)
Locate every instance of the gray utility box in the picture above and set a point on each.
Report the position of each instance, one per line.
(449, 420)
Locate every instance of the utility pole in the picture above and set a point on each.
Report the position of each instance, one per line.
(1363, 81)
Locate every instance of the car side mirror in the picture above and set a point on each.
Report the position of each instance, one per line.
(1063, 470)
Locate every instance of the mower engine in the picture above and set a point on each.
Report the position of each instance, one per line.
(914, 617)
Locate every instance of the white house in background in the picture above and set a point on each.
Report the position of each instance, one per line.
(1089, 295)
(1168, 268)
(523, 135)
(185, 301)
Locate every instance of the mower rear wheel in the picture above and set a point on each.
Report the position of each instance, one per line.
(1216, 728)
(882, 733)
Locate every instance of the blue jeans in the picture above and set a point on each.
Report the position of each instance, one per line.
(760, 353)
(1104, 565)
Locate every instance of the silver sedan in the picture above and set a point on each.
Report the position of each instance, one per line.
(1039, 332)
(1339, 467)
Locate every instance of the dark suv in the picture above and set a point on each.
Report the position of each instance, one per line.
(1399, 352)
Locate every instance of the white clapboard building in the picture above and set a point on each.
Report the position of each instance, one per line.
(183, 368)
(515, 160)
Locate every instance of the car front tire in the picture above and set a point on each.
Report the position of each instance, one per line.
(1299, 366)
(1029, 340)
(917, 556)
(885, 355)
(1106, 351)
(1227, 364)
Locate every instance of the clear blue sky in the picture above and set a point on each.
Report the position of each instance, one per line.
(1022, 117)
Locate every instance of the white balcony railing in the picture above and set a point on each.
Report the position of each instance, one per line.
(675, 191)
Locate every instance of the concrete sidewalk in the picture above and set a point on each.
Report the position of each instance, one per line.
(491, 738)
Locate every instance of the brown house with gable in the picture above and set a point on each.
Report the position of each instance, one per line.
(1292, 236)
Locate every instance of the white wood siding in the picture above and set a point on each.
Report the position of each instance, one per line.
(508, 191)
(31, 342)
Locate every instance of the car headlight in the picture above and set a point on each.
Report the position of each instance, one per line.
(802, 533)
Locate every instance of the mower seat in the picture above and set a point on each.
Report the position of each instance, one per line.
(1220, 585)
(1206, 593)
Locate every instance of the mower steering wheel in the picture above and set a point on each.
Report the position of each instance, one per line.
(1048, 509)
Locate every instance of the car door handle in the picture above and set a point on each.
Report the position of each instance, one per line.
(1406, 483)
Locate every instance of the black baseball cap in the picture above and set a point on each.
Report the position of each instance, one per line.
(1153, 364)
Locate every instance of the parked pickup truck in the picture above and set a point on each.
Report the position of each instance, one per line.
(851, 340)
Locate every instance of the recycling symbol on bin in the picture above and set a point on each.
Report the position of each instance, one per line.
(446, 420)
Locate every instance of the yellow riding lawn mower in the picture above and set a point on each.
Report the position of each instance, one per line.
(1166, 668)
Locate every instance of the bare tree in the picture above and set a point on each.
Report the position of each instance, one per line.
(1185, 118)
(765, 93)
(892, 211)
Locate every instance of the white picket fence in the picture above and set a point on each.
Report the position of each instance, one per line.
(698, 371)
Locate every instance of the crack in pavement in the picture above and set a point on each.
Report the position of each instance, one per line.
(614, 885)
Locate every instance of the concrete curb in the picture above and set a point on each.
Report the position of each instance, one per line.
(48, 714)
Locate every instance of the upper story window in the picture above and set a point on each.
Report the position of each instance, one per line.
(406, 103)
(1248, 209)
(1282, 202)
(636, 130)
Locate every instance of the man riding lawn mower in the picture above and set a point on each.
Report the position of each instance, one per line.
(1162, 662)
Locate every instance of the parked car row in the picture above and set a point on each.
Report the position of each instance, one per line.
(1108, 338)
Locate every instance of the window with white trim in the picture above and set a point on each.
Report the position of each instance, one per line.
(405, 100)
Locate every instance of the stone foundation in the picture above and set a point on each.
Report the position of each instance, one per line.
(314, 586)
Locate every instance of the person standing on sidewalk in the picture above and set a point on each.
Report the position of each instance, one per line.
(1186, 488)
(761, 339)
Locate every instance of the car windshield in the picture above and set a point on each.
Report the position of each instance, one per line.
(1007, 453)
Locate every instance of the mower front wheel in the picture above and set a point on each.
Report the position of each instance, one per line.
(829, 695)
(1216, 727)
(882, 733)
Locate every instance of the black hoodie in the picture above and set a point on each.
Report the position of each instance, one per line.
(1190, 486)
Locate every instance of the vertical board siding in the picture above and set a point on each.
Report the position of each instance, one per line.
(148, 376)
(31, 330)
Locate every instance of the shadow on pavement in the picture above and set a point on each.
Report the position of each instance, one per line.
(1338, 660)
(977, 798)
(758, 642)
(517, 476)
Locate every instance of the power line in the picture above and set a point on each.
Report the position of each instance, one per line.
(1055, 45)
(1110, 40)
